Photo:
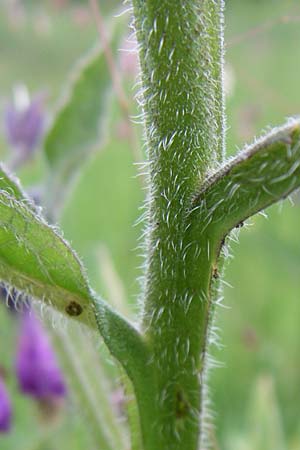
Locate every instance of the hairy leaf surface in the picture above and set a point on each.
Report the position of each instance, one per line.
(36, 259)
(259, 176)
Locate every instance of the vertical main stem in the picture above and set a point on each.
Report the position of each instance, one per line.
(181, 59)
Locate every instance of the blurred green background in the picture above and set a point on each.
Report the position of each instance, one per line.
(256, 394)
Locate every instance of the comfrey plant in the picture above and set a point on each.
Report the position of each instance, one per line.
(195, 198)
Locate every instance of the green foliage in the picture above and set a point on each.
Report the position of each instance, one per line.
(38, 261)
(259, 176)
(190, 212)
(78, 126)
(11, 186)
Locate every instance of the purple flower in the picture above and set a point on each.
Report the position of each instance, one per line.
(5, 409)
(7, 298)
(37, 369)
(15, 302)
(24, 122)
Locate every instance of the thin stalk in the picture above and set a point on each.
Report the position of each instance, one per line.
(116, 80)
(104, 437)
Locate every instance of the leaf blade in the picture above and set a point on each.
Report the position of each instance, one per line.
(34, 258)
(79, 125)
(37, 261)
(259, 176)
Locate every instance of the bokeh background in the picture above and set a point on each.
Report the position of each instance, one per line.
(256, 390)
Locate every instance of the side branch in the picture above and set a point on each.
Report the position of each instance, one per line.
(259, 176)
(123, 340)
(262, 174)
(129, 348)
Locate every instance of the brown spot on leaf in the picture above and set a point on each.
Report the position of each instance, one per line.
(74, 309)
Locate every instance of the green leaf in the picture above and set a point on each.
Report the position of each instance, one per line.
(36, 259)
(79, 124)
(259, 176)
(264, 173)
(11, 186)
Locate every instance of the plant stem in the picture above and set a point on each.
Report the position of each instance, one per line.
(181, 59)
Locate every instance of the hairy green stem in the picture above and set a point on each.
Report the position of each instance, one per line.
(181, 55)
(192, 206)
(262, 174)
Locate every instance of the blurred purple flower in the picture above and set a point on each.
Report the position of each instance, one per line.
(14, 301)
(37, 369)
(5, 409)
(24, 121)
(7, 298)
